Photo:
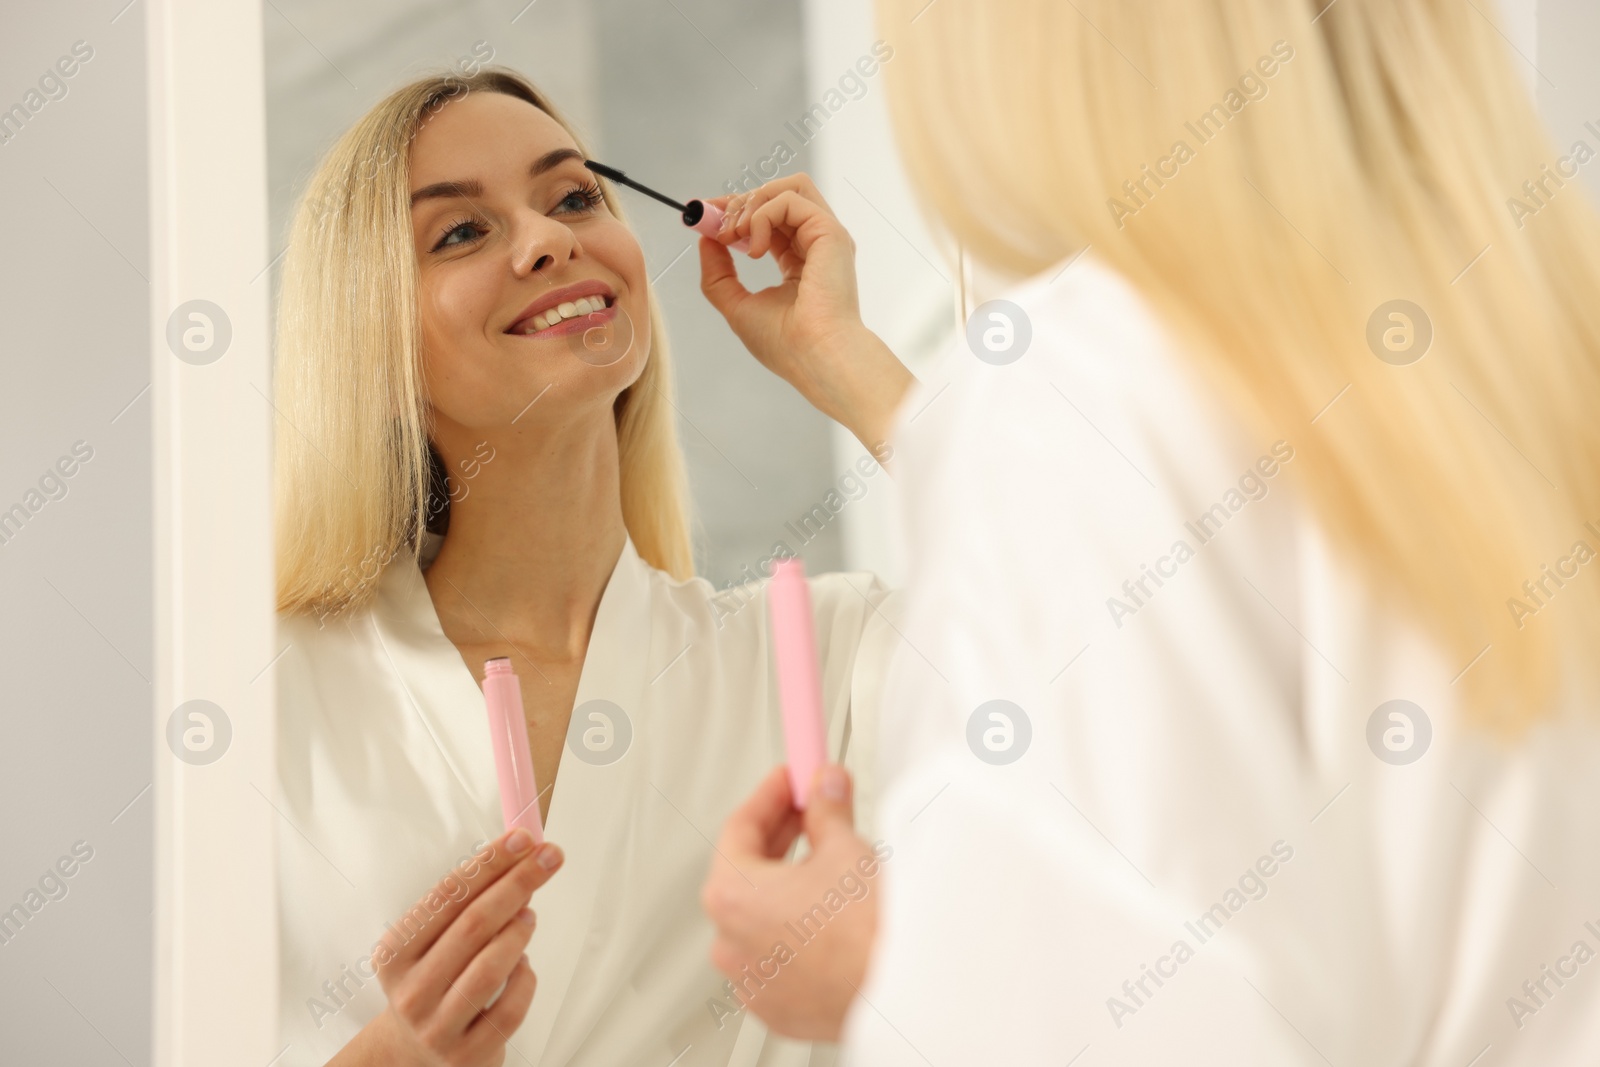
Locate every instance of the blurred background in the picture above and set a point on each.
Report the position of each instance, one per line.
(687, 95)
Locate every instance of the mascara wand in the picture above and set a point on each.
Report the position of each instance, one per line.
(698, 215)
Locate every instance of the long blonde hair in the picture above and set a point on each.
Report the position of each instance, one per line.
(1383, 157)
(353, 474)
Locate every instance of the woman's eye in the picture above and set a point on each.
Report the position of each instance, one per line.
(452, 231)
(581, 200)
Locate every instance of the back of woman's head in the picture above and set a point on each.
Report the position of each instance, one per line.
(1276, 176)
(354, 481)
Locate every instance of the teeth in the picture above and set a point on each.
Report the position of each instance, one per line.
(571, 309)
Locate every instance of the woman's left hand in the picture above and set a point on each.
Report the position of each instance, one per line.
(794, 938)
(808, 329)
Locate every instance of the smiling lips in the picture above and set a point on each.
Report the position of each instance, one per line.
(571, 309)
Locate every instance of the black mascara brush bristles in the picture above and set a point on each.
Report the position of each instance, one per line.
(621, 178)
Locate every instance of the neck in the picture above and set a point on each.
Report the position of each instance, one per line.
(535, 532)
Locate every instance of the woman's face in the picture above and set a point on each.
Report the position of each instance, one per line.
(505, 216)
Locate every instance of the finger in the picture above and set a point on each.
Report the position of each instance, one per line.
(786, 210)
(807, 188)
(761, 819)
(415, 932)
(729, 206)
(719, 279)
(830, 806)
(743, 206)
(789, 260)
(486, 973)
(730, 210)
(730, 214)
(474, 928)
(494, 1028)
(800, 184)
(803, 222)
(783, 838)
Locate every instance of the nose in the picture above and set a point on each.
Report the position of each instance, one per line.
(540, 244)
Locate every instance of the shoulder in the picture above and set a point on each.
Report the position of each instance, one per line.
(1099, 414)
(1070, 343)
(1083, 305)
(853, 605)
(738, 611)
(308, 641)
(1054, 497)
(328, 673)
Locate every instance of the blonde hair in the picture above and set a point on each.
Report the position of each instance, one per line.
(1380, 160)
(353, 468)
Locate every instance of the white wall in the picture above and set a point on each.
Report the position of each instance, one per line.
(75, 580)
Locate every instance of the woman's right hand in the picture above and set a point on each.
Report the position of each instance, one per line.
(808, 329)
(439, 981)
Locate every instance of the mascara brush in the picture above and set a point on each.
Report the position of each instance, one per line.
(698, 215)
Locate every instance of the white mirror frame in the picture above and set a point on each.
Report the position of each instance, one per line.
(216, 980)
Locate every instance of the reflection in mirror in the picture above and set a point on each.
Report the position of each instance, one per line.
(488, 449)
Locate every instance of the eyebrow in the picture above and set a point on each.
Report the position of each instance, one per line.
(474, 188)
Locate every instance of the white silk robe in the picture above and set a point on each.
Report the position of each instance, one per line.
(1231, 810)
(387, 781)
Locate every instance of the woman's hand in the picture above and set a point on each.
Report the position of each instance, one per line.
(808, 329)
(440, 981)
(763, 906)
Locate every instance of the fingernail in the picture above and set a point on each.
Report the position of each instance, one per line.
(525, 917)
(835, 784)
(549, 857)
(520, 841)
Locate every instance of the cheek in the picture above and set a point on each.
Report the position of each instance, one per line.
(637, 305)
(618, 251)
(641, 328)
(454, 305)
(454, 314)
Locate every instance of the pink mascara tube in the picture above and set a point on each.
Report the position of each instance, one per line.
(513, 763)
(799, 686)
